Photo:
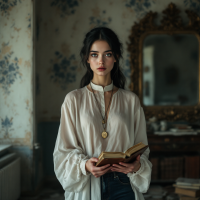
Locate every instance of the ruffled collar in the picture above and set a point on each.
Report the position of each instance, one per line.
(100, 88)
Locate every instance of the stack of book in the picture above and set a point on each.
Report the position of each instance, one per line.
(187, 189)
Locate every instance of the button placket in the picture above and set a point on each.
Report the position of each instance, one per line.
(103, 104)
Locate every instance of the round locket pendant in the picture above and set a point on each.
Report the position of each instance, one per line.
(104, 134)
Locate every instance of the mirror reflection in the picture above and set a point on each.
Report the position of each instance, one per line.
(170, 70)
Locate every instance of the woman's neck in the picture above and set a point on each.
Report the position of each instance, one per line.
(102, 80)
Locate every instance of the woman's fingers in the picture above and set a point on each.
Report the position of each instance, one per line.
(124, 170)
(97, 169)
(94, 159)
(104, 167)
(105, 170)
(118, 166)
(116, 170)
(123, 167)
(101, 172)
(124, 164)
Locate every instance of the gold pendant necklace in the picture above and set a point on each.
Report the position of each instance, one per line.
(104, 134)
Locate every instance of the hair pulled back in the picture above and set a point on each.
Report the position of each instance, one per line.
(106, 34)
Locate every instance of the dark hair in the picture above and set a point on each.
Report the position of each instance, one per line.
(106, 34)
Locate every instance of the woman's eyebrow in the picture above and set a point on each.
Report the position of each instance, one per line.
(97, 51)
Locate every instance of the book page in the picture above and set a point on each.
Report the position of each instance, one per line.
(112, 155)
(135, 148)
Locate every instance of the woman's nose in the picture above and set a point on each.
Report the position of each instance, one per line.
(101, 60)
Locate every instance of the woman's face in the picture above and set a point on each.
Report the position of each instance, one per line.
(101, 58)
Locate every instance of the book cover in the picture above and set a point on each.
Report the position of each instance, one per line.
(182, 197)
(187, 192)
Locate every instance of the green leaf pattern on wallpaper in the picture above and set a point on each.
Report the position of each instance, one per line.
(63, 70)
(9, 69)
(7, 5)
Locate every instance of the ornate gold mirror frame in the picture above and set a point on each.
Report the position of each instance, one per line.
(170, 24)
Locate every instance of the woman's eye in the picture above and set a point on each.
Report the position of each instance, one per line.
(109, 54)
(94, 55)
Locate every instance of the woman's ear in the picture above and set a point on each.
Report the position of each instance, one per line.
(88, 60)
(117, 58)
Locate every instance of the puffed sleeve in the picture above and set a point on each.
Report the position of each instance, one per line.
(141, 179)
(69, 158)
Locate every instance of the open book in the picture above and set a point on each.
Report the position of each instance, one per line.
(116, 157)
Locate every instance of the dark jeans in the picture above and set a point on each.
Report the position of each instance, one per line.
(116, 186)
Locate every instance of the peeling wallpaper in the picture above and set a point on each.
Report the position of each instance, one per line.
(16, 84)
(7, 6)
(16, 95)
(61, 27)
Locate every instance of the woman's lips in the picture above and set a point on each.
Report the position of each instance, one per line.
(101, 68)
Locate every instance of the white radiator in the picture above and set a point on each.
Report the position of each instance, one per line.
(10, 181)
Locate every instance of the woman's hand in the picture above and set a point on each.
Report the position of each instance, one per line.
(96, 171)
(127, 167)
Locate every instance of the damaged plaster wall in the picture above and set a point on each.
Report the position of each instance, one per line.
(16, 83)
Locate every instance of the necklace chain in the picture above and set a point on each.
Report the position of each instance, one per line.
(104, 118)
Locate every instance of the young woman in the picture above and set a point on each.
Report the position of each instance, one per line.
(101, 116)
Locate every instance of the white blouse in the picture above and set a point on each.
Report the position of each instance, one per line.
(79, 138)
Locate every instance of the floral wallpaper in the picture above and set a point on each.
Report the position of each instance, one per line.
(139, 7)
(63, 70)
(67, 22)
(6, 6)
(16, 86)
(99, 19)
(6, 125)
(9, 70)
(64, 8)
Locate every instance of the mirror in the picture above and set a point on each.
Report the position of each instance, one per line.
(170, 69)
(165, 65)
